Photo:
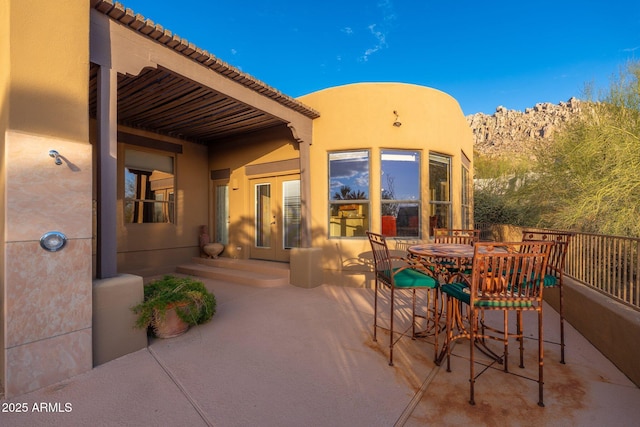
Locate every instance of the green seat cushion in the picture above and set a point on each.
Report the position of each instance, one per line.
(410, 278)
(550, 281)
(460, 291)
(503, 304)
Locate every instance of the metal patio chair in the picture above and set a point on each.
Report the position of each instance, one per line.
(461, 236)
(505, 277)
(394, 274)
(555, 268)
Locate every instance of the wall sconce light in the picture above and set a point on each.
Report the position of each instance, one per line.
(56, 156)
(53, 241)
(396, 123)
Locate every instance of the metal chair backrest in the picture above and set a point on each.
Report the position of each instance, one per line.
(508, 275)
(448, 235)
(381, 258)
(558, 253)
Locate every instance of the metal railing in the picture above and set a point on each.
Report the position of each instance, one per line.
(609, 264)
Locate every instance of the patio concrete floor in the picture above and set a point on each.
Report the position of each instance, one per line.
(287, 356)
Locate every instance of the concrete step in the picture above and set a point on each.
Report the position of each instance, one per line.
(246, 272)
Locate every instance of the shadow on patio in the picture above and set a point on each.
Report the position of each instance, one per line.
(285, 356)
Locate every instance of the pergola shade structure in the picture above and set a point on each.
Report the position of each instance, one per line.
(161, 101)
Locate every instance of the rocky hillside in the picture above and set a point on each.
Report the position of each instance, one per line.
(508, 132)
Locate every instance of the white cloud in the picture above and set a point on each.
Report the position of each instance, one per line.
(381, 38)
(347, 30)
(233, 51)
(380, 32)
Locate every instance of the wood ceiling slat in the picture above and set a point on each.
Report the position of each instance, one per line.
(127, 86)
(199, 100)
(197, 126)
(146, 101)
(170, 106)
(240, 120)
(148, 93)
(161, 101)
(191, 117)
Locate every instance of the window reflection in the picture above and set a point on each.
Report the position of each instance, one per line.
(400, 199)
(348, 193)
(439, 191)
(222, 214)
(149, 188)
(292, 217)
(467, 211)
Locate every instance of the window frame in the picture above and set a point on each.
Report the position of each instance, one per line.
(436, 205)
(348, 210)
(167, 202)
(400, 202)
(466, 199)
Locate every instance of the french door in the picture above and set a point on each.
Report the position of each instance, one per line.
(276, 216)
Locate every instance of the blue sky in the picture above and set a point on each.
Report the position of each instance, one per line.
(484, 54)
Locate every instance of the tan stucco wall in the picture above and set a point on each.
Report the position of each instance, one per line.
(361, 116)
(258, 148)
(149, 249)
(45, 106)
(4, 123)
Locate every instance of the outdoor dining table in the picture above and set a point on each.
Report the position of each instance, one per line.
(445, 258)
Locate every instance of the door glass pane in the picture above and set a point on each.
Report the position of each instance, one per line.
(291, 213)
(222, 214)
(263, 216)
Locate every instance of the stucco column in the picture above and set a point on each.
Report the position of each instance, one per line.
(107, 172)
(302, 133)
(305, 194)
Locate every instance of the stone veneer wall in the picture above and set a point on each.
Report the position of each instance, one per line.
(47, 294)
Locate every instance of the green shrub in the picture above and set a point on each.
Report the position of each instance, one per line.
(194, 304)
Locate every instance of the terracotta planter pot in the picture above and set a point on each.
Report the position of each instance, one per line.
(170, 326)
(388, 225)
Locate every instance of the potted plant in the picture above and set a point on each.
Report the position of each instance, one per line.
(172, 304)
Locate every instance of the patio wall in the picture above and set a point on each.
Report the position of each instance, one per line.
(612, 327)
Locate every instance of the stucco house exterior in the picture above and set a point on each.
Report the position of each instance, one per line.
(126, 139)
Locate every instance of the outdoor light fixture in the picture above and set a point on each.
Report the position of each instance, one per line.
(56, 156)
(396, 123)
(53, 241)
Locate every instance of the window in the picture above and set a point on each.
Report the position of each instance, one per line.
(222, 214)
(149, 187)
(348, 193)
(467, 211)
(439, 192)
(400, 186)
